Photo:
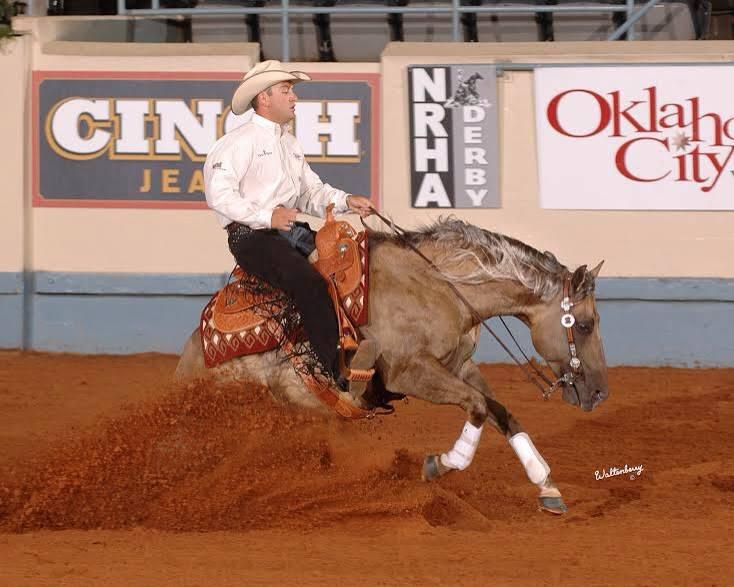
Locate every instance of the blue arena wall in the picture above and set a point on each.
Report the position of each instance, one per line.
(647, 321)
(671, 321)
(11, 309)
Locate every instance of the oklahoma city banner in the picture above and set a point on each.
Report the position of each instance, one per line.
(138, 139)
(453, 136)
(644, 138)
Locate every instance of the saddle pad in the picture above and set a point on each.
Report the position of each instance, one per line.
(237, 321)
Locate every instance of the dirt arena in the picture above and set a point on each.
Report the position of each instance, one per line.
(109, 475)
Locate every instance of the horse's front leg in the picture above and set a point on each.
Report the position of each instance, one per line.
(424, 377)
(536, 468)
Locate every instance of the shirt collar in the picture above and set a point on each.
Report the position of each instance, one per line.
(273, 127)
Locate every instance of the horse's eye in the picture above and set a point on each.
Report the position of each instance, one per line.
(584, 327)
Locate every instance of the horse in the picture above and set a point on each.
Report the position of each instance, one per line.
(425, 336)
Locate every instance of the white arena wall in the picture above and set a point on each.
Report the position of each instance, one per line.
(133, 279)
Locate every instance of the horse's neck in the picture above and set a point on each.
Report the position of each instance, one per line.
(494, 297)
(491, 298)
(500, 298)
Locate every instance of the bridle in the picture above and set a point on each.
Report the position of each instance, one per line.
(567, 321)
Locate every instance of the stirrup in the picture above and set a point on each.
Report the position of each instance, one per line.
(361, 368)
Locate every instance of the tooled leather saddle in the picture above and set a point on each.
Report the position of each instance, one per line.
(248, 316)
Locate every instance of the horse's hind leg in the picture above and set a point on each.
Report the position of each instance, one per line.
(536, 468)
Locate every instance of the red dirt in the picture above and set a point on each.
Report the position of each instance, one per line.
(111, 475)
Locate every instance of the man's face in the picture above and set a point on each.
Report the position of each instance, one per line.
(280, 105)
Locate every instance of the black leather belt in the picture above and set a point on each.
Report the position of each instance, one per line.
(237, 225)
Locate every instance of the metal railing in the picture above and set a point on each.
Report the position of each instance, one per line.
(455, 9)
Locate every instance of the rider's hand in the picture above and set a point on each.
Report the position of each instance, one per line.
(283, 218)
(360, 205)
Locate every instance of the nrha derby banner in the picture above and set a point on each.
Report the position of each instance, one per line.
(635, 138)
(453, 136)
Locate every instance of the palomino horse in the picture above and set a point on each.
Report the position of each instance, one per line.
(426, 337)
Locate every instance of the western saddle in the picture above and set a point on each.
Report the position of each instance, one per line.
(342, 262)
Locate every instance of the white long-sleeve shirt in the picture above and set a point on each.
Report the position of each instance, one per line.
(259, 166)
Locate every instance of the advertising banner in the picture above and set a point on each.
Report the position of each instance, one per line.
(135, 139)
(635, 138)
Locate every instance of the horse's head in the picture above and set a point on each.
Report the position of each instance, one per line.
(554, 334)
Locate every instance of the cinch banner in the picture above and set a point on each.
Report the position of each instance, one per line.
(453, 136)
(138, 139)
(635, 138)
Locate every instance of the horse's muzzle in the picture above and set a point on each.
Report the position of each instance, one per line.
(577, 397)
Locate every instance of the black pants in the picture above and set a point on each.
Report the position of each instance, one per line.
(271, 257)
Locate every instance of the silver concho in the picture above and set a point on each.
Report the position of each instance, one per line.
(566, 304)
(575, 363)
(567, 320)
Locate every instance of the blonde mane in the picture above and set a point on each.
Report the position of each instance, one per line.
(494, 257)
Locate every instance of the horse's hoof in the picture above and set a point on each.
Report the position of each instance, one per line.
(431, 468)
(553, 505)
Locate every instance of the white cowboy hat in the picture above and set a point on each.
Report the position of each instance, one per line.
(260, 78)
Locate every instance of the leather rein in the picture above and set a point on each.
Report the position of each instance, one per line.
(567, 321)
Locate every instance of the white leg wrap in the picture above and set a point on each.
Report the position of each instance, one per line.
(460, 457)
(535, 466)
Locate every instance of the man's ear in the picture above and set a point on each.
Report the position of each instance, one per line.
(262, 99)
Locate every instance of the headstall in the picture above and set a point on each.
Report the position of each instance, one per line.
(567, 321)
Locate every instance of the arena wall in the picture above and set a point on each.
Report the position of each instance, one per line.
(121, 280)
(14, 63)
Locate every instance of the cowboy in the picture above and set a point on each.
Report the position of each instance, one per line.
(257, 180)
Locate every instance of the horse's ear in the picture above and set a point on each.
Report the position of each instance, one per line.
(577, 280)
(595, 271)
(582, 282)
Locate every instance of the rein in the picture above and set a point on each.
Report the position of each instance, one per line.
(567, 320)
